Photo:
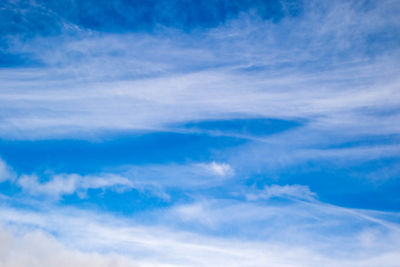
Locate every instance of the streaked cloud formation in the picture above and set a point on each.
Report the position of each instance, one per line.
(213, 133)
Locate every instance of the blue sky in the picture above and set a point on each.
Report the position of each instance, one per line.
(199, 133)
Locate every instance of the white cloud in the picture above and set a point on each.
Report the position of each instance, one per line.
(300, 192)
(150, 178)
(220, 169)
(6, 173)
(296, 191)
(38, 249)
(66, 184)
(81, 238)
(184, 176)
(301, 146)
(288, 80)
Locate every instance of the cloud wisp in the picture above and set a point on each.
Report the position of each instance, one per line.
(6, 173)
(72, 183)
(154, 179)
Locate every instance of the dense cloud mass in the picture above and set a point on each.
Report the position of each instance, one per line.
(199, 133)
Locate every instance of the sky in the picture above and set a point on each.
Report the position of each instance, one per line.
(199, 133)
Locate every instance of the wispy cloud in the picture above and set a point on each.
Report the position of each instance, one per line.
(285, 191)
(67, 184)
(151, 77)
(154, 179)
(129, 243)
(220, 169)
(6, 173)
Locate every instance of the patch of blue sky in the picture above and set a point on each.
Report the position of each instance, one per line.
(82, 156)
(342, 179)
(128, 16)
(368, 185)
(8, 60)
(126, 203)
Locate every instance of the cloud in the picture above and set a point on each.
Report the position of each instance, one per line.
(154, 179)
(6, 173)
(319, 67)
(300, 192)
(278, 219)
(183, 176)
(296, 191)
(67, 184)
(38, 248)
(75, 236)
(220, 169)
(297, 148)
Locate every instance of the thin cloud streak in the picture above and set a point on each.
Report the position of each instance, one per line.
(153, 179)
